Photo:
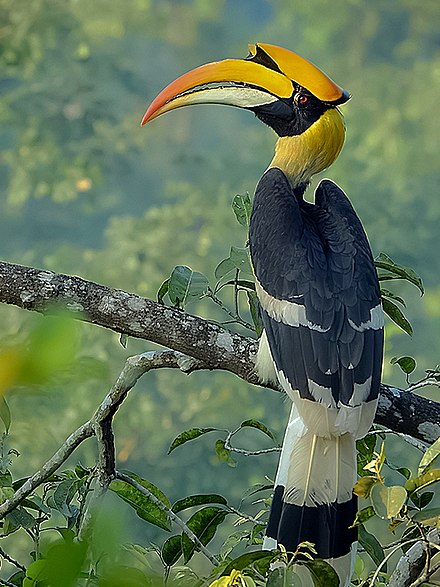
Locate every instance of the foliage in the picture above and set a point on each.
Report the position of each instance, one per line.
(75, 551)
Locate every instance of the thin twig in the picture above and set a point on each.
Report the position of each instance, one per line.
(236, 308)
(175, 518)
(412, 563)
(389, 555)
(432, 571)
(236, 318)
(432, 378)
(134, 368)
(7, 583)
(425, 573)
(246, 516)
(11, 560)
(48, 469)
(424, 383)
(247, 453)
(419, 444)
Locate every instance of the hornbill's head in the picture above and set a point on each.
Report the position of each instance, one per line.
(287, 92)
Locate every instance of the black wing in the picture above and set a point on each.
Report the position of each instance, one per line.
(319, 292)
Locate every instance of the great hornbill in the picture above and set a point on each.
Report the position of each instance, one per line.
(317, 286)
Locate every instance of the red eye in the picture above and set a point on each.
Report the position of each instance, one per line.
(302, 99)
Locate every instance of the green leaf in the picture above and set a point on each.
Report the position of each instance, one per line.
(115, 575)
(63, 495)
(359, 567)
(371, 545)
(5, 479)
(429, 517)
(34, 572)
(142, 504)
(224, 454)
(35, 503)
(19, 518)
(397, 316)
(81, 471)
(242, 207)
(240, 258)
(283, 577)
(389, 294)
(388, 501)
(404, 471)
(407, 364)
(421, 501)
(6, 493)
(364, 485)
(186, 285)
(254, 308)
(365, 447)
(224, 267)
(382, 261)
(429, 457)
(259, 426)
(257, 488)
(245, 560)
(423, 480)
(195, 500)
(232, 541)
(258, 531)
(188, 435)
(17, 578)
(204, 524)
(323, 574)
(172, 550)
(5, 413)
(162, 291)
(63, 559)
(363, 515)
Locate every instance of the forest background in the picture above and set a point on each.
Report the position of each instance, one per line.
(86, 191)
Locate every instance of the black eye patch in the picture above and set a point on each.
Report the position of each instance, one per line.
(287, 118)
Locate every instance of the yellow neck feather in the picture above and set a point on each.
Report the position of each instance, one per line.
(301, 156)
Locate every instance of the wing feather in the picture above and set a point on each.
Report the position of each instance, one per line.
(318, 258)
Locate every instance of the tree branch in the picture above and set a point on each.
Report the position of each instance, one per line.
(134, 368)
(413, 567)
(210, 344)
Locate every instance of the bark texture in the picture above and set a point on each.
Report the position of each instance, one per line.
(215, 347)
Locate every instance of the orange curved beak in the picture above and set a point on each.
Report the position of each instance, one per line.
(270, 73)
(234, 82)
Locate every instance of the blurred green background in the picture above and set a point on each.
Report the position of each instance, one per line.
(85, 190)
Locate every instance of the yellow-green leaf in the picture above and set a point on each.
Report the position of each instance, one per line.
(363, 515)
(429, 517)
(429, 457)
(242, 207)
(143, 505)
(388, 501)
(364, 485)
(423, 480)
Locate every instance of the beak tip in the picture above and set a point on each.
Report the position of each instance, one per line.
(144, 120)
(346, 96)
